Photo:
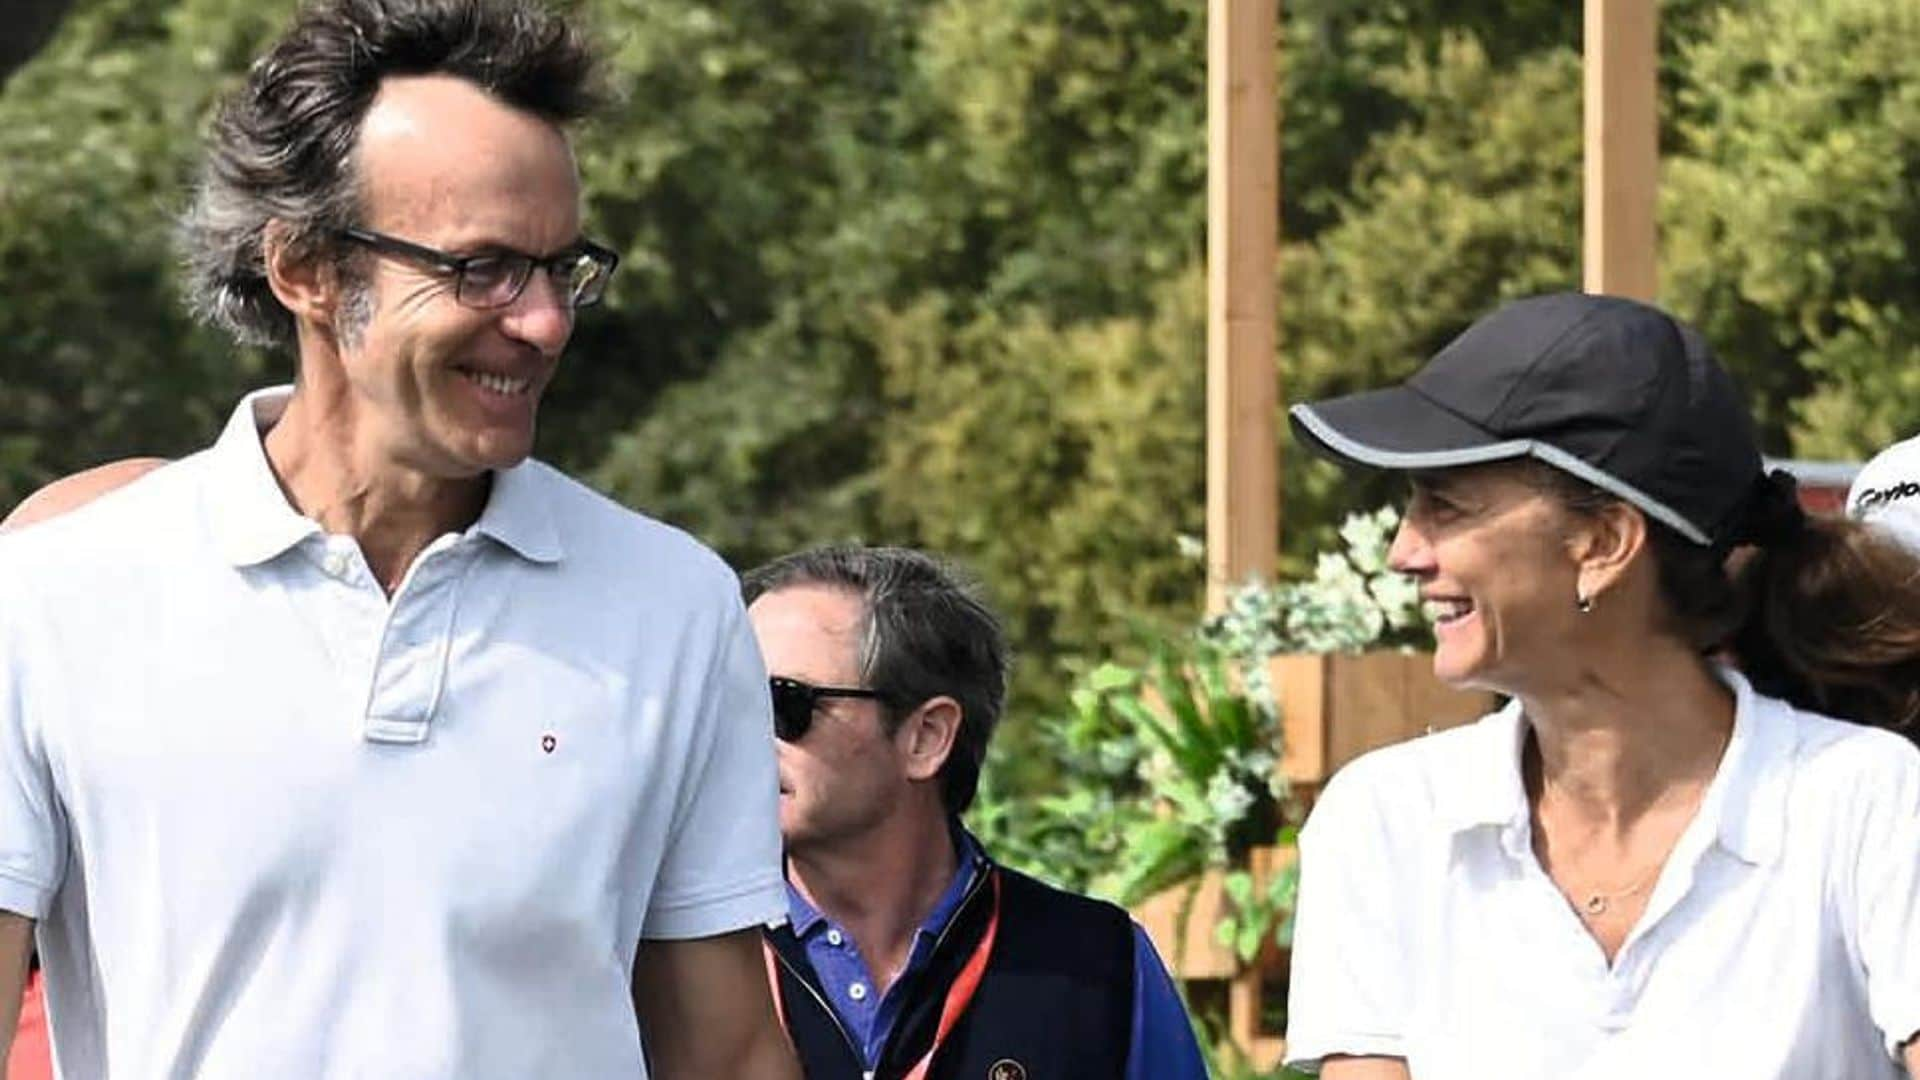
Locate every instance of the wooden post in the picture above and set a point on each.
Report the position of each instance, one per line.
(1243, 224)
(1622, 147)
(1243, 381)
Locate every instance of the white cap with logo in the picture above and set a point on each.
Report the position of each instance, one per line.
(1887, 492)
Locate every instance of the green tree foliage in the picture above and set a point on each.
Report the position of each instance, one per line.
(31, 23)
(1081, 432)
(96, 357)
(926, 270)
(1038, 156)
(1474, 200)
(1791, 217)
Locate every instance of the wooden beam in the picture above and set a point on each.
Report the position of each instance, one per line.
(1622, 147)
(1243, 225)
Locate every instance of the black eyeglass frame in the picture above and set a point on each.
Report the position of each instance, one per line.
(557, 265)
(794, 703)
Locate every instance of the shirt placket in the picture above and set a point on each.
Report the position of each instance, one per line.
(410, 666)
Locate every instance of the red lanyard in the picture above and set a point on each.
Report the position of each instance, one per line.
(959, 995)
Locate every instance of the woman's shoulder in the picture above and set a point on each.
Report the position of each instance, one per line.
(1827, 748)
(1841, 770)
(1436, 781)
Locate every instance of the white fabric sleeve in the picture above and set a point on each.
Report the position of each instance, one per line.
(1348, 992)
(721, 870)
(1887, 895)
(33, 833)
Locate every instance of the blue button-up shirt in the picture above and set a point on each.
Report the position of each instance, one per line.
(1162, 1048)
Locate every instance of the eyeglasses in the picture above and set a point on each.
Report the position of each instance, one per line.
(497, 278)
(795, 701)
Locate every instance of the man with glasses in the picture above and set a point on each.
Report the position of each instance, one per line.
(359, 744)
(908, 952)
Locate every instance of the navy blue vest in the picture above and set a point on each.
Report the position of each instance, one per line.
(1056, 1002)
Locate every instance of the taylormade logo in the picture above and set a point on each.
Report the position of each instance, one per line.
(1872, 497)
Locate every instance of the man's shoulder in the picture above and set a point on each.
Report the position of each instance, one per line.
(1072, 909)
(598, 528)
(1068, 933)
(133, 523)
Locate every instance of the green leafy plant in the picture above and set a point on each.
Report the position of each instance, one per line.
(1168, 768)
(1258, 912)
(1207, 755)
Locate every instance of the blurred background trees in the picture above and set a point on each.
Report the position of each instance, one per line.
(929, 271)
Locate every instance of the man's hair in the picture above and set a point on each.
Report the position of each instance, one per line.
(281, 152)
(925, 632)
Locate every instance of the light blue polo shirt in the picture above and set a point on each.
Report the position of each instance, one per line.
(274, 822)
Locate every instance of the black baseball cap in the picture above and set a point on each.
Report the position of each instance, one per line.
(1615, 392)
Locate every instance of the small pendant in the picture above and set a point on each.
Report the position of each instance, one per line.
(1596, 905)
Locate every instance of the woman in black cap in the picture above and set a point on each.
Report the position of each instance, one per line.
(1665, 857)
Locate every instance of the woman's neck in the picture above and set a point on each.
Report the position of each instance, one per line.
(1624, 739)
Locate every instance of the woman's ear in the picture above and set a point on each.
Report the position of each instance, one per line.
(1603, 544)
(925, 738)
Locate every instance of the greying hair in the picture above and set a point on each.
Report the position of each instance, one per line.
(925, 633)
(280, 154)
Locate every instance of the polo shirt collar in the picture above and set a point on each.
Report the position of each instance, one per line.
(519, 514)
(1747, 800)
(253, 523)
(1743, 810)
(1490, 791)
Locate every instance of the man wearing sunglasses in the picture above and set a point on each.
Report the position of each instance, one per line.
(909, 953)
(359, 744)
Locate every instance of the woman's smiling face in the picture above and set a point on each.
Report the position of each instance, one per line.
(1492, 556)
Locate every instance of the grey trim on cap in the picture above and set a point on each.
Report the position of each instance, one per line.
(1496, 451)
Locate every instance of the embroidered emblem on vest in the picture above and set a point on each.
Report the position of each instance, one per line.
(1006, 1069)
(548, 742)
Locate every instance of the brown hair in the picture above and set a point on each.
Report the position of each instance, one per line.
(1822, 612)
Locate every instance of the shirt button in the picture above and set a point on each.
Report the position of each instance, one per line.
(858, 991)
(834, 938)
(336, 565)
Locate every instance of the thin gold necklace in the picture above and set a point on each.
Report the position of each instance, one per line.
(1597, 903)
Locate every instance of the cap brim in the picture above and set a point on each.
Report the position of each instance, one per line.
(1396, 428)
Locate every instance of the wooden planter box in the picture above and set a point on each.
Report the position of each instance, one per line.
(1337, 706)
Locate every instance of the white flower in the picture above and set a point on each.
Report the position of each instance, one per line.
(1228, 798)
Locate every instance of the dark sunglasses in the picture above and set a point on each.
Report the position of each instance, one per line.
(794, 703)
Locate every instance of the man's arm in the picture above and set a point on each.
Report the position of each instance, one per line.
(1913, 1056)
(705, 1010)
(16, 945)
(1364, 1068)
(1163, 1046)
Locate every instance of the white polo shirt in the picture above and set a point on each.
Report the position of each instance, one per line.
(1781, 940)
(274, 824)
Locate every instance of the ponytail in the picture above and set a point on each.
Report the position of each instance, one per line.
(1834, 624)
